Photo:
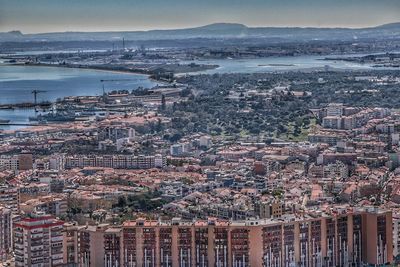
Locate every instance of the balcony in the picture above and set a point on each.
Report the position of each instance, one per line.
(56, 262)
(57, 239)
(18, 234)
(37, 248)
(57, 256)
(19, 246)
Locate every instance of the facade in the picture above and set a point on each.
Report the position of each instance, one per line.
(396, 236)
(9, 163)
(47, 204)
(341, 238)
(331, 139)
(176, 150)
(98, 245)
(266, 209)
(116, 161)
(38, 241)
(116, 132)
(5, 233)
(332, 122)
(70, 244)
(25, 161)
(17, 162)
(56, 162)
(9, 197)
(334, 109)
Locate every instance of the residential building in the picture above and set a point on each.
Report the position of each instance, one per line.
(38, 241)
(341, 237)
(5, 234)
(9, 197)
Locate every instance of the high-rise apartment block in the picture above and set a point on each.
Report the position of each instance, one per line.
(9, 197)
(38, 241)
(5, 233)
(338, 238)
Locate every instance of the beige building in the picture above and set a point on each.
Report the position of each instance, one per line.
(98, 245)
(340, 238)
(55, 206)
(266, 209)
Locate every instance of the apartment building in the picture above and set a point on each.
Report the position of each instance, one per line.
(23, 161)
(5, 233)
(70, 244)
(268, 209)
(116, 132)
(38, 241)
(345, 237)
(334, 109)
(116, 161)
(9, 197)
(48, 204)
(99, 245)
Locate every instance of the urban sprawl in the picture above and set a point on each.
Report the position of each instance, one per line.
(257, 169)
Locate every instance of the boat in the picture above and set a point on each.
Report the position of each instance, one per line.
(7, 107)
(3, 121)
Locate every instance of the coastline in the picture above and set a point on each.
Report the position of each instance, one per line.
(118, 69)
(87, 68)
(20, 115)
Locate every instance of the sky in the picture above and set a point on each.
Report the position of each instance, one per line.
(33, 16)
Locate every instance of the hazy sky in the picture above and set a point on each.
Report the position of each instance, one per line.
(104, 15)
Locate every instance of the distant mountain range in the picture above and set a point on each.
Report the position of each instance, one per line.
(216, 30)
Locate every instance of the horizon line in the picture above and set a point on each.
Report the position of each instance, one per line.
(204, 25)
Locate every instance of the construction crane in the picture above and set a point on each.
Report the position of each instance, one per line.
(35, 93)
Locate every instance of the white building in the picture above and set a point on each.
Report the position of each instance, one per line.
(334, 109)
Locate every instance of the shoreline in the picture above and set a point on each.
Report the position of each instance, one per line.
(119, 69)
(157, 83)
(90, 68)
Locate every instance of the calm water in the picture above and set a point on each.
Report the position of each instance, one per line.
(272, 64)
(16, 116)
(17, 83)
